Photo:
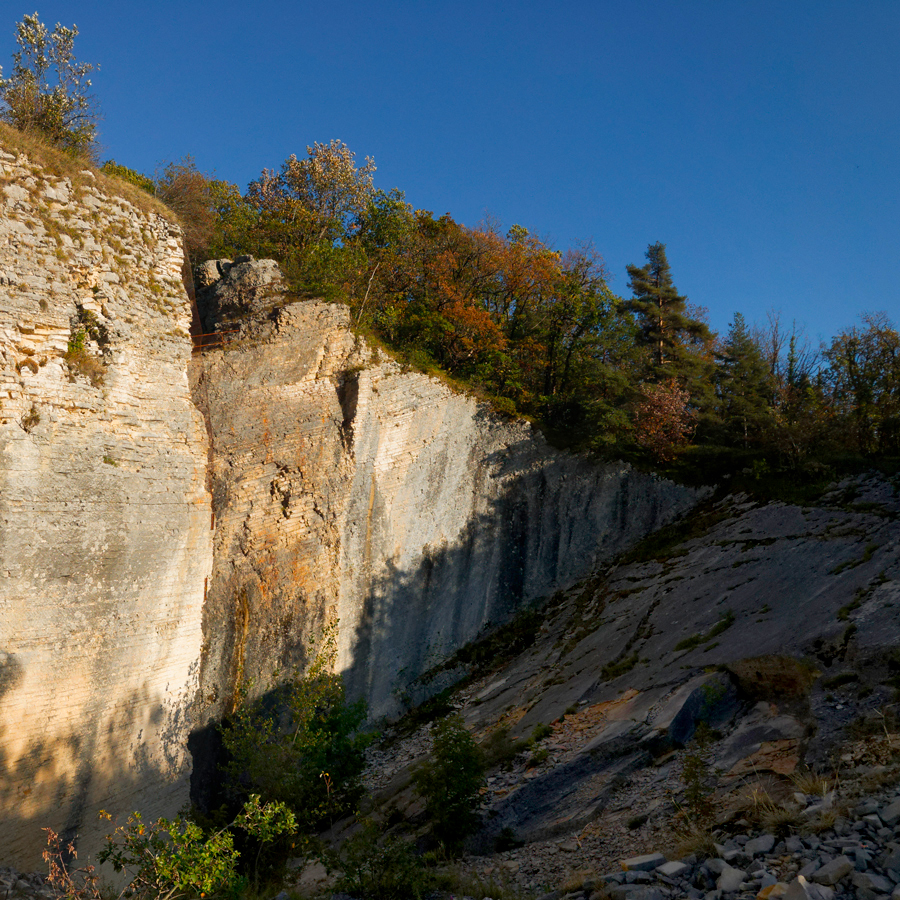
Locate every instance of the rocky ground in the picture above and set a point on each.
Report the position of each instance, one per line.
(774, 827)
(803, 836)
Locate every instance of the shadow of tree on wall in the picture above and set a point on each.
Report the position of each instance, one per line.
(63, 779)
(553, 523)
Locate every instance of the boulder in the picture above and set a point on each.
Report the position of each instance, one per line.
(801, 889)
(731, 879)
(832, 872)
(873, 882)
(760, 845)
(890, 815)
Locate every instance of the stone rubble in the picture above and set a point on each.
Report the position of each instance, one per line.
(32, 885)
(856, 857)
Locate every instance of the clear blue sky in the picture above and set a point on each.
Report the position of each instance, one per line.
(758, 140)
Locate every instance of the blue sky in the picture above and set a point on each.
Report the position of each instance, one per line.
(759, 141)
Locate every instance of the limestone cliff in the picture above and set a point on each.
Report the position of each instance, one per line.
(105, 517)
(341, 487)
(344, 486)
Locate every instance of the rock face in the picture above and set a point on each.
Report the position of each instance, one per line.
(345, 487)
(133, 599)
(105, 537)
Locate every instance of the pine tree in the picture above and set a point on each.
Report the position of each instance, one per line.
(678, 346)
(745, 386)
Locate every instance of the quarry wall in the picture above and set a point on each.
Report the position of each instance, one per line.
(347, 488)
(105, 539)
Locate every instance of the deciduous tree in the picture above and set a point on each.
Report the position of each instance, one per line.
(318, 198)
(863, 377)
(48, 90)
(663, 420)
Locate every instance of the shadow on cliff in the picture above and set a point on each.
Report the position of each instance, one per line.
(555, 520)
(62, 780)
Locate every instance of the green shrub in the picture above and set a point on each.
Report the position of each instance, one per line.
(81, 361)
(689, 643)
(373, 867)
(619, 667)
(301, 744)
(450, 782)
(168, 859)
(499, 749)
(536, 758)
(111, 167)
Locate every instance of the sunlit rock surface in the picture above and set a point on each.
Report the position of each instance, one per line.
(105, 539)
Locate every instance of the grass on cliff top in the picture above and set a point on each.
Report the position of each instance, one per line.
(418, 360)
(67, 165)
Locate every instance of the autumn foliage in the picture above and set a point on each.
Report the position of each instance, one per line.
(663, 420)
(539, 332)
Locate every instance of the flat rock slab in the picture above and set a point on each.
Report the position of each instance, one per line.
(673, 869)
(646, 863)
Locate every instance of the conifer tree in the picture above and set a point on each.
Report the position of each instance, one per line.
(745, 386)
(677, 345)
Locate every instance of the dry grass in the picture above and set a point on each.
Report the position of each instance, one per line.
(496, 887)
(82, 362)
(778, 818)
(66, 165)
(695, 839)
(812, 783)
(575, 881)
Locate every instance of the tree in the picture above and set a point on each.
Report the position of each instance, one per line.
(318, 198)
(678, 345)
(307, 214)
(187, 192)
(661, 313)
(745, 385)
(451, 781)
(301, 744)
(663, 421)
(47, 91)
(863, 377)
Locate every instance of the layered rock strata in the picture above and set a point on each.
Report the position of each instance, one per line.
(105, 539)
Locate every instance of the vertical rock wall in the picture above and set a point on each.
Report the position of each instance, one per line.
(347, 488)
(105, 537)
(456, 518)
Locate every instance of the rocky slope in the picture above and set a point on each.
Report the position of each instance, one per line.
(105, 542)
(776, 625)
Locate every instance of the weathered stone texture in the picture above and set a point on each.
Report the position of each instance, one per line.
(344, 486)
(105, 536)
